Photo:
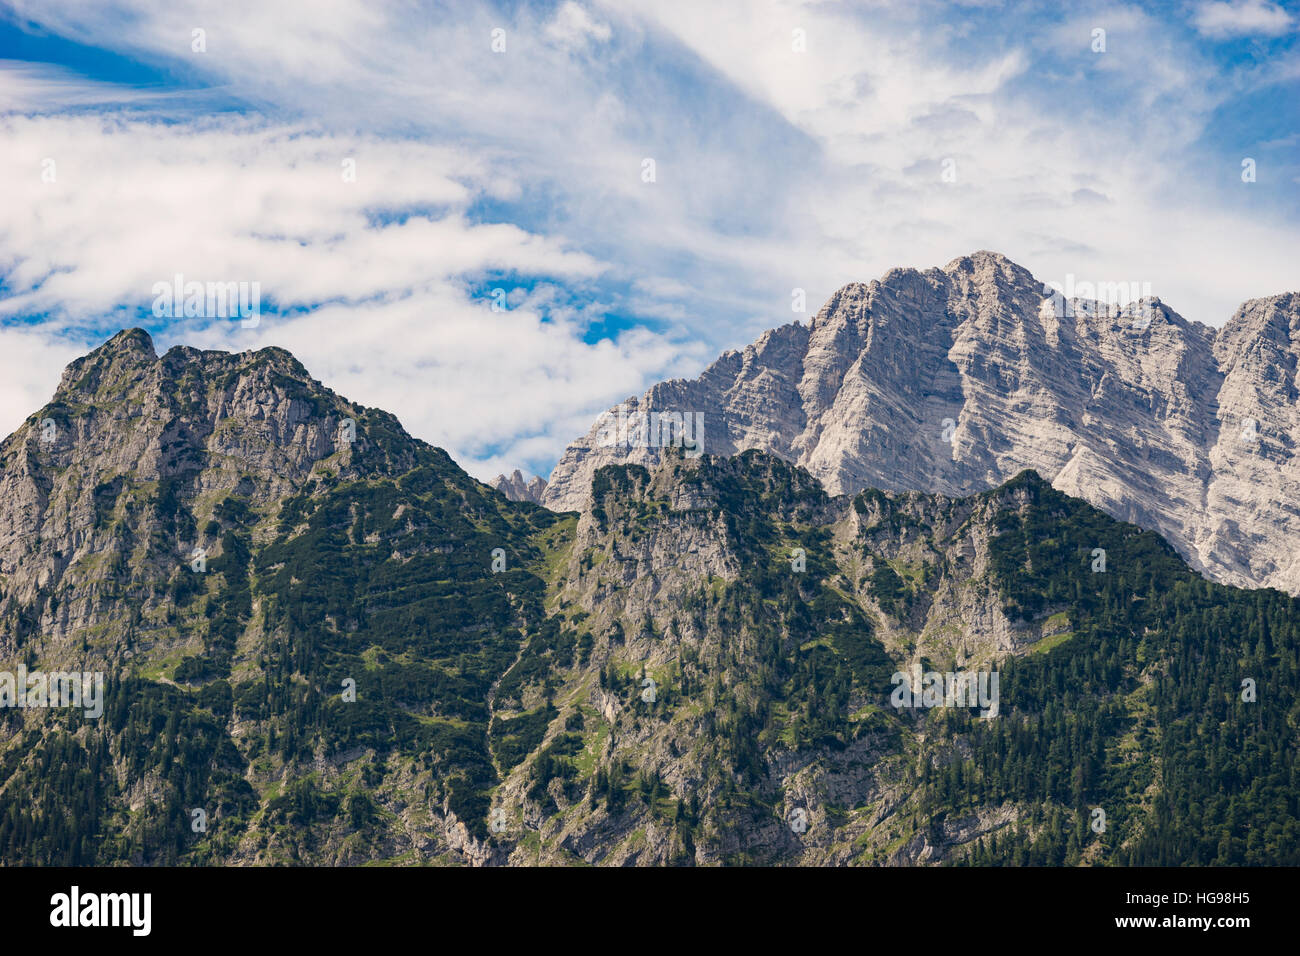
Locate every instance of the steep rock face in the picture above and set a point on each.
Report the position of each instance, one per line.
(113, 486)
(1253, 492)
(651, 537)
(953, 380)
(516, 489)
(739, 617)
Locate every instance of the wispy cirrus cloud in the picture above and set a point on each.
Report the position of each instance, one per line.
(1229, 18)
(374, 273)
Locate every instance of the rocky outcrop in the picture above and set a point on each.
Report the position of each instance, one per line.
(113, 485)
(953, 380)
(516, 489)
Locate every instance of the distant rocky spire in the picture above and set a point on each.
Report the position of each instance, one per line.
(516, 489)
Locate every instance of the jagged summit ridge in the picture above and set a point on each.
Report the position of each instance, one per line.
(954, 379)
(517, 489)
(80, 479)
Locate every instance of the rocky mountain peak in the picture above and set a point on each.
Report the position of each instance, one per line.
(954, 380)
(119, 360)
(991, 266)
(136, 454)
(1268, 322)
(517, 489)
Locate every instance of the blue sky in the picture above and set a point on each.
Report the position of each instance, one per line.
(795, 145)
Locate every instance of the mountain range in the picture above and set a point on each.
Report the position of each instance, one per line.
(954, 380)
(324, 643)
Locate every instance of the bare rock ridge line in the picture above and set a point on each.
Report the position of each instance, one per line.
(516, 489)
(76, 518)
(954, 380)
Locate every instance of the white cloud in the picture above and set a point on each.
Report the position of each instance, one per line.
(885, 107)
(776, 168)
(132, 203)
(1225, 18)
(32, 87)
(463, 377)
(573, 27)
(31, 362)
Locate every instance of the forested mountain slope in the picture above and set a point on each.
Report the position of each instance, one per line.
(379, 659)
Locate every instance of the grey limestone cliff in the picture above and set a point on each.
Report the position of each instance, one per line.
(953, 380)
